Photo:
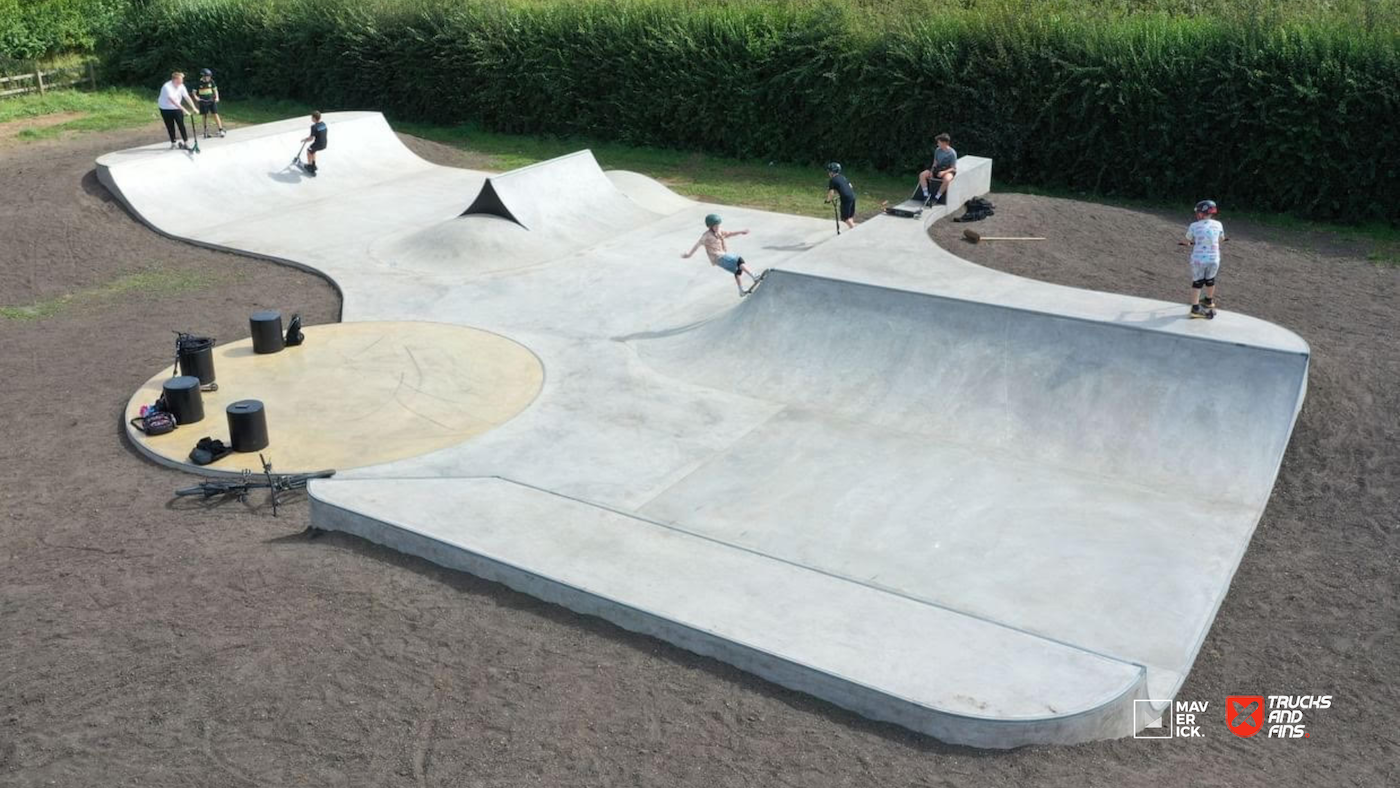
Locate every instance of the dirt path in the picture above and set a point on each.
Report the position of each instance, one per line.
(144, 642)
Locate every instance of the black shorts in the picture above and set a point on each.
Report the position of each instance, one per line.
(208, 107)
(318, 146)
(848, 208)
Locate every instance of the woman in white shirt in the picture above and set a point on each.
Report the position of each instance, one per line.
(172, 96)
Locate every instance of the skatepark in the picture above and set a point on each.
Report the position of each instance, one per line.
(931, 493)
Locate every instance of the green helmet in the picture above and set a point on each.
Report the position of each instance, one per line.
(712, 220)
(834, 167)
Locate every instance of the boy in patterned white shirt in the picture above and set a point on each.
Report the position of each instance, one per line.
(1204, 236)
(713, 239)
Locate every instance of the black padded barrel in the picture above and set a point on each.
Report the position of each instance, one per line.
(197, 359)
(183, 397)
(247, 425)
(266, 327)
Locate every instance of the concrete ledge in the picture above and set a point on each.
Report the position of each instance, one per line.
(957, 677)
(974, 179)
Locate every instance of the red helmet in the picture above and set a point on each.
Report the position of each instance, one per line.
(1206, 207)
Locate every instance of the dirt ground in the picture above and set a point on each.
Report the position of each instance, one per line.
(145, 642)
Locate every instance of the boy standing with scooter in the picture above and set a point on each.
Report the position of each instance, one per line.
(318, 143)
(208, 95)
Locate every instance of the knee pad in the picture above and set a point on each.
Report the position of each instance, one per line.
(1208, 282)
(1198, 284)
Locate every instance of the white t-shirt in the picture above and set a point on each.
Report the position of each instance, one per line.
(171, 96)
(1205, 238)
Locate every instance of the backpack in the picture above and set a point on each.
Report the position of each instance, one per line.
(154, 422)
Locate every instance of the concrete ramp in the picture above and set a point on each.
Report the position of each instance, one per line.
(565, 194)
(1052, 391)
(528, 216)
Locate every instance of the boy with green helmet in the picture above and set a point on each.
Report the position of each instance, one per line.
(713, 240)
(207, 94)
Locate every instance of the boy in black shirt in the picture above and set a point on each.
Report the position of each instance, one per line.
(207, 94)
(318, 143)
(838, 185)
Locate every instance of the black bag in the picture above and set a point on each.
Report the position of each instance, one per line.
(209, 450)
(294, 335)
(155, 422)
(975, 210)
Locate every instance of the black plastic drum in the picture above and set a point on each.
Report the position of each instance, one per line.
(197, 358)
(183, 397)
(266, 328)
(247, 425)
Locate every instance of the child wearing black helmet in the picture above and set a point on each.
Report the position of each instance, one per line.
(713, 240)
(317, 138)
(1204, 236)
(839, 185)
(207, 93)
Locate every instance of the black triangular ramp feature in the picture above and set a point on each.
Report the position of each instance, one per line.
(489, 202)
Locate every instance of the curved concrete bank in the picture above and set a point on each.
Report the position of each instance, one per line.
(934, 494)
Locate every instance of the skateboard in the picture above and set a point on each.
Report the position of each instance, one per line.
(913, 207)
(1207, 314)
(755, 284)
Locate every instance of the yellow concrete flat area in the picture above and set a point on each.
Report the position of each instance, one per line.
(356, 394)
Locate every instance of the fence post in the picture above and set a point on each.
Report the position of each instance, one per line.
(92, 74)
(39, 77)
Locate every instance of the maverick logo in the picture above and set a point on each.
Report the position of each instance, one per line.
(1165, 719)
(1244, 714)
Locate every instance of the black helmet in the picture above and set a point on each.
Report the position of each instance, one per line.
(1206, 207)
(834, 167)
(204, 72)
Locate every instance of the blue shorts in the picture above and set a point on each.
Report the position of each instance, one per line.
(730, 263)
(1201, 271)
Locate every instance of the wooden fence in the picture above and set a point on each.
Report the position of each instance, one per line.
(39, 80)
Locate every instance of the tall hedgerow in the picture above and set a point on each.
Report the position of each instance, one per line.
(1287, 112)
(33, 29)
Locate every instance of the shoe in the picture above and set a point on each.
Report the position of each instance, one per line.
(172, 146)
(221, 133)
(181, 144)
(1208, 303)
(941, 199)
(1197, 310)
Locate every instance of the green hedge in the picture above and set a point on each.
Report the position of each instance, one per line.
(1283, 117)
(33, 29)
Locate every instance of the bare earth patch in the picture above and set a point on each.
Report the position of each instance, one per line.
(150, 642)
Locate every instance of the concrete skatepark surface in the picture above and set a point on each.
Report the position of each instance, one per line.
(937, 495)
